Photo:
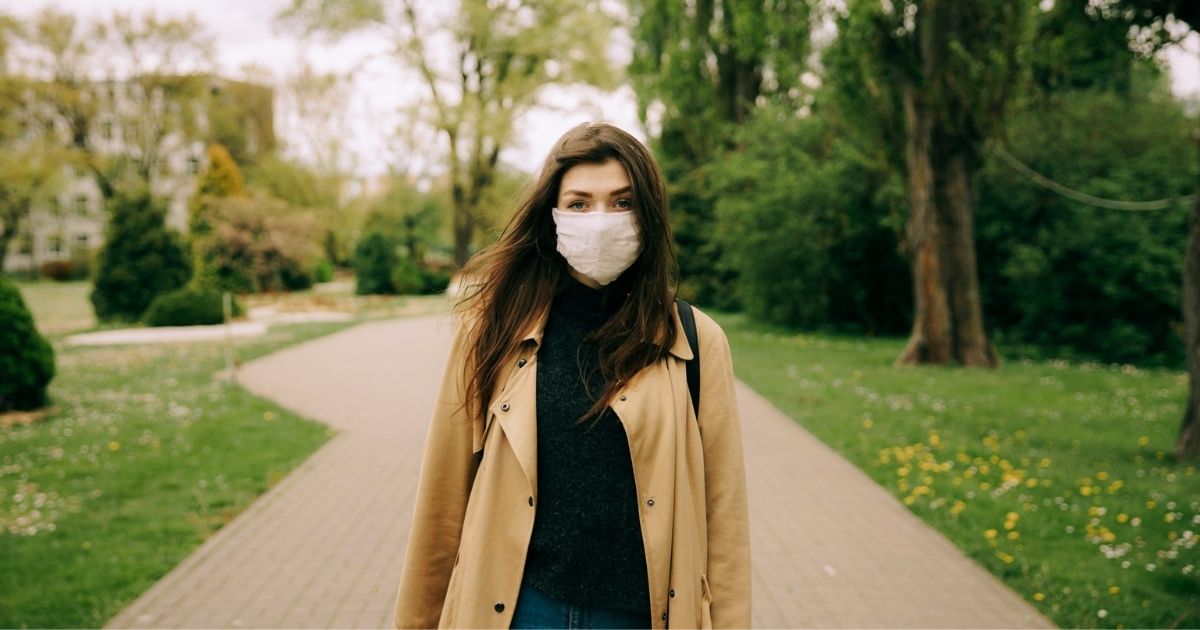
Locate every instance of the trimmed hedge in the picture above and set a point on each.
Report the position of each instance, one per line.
(189, 306)
(26, 359)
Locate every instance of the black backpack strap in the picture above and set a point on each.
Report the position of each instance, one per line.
(688, 319)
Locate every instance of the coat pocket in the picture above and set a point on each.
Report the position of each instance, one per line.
(705, 603)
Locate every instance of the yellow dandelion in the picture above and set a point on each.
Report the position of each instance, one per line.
(1122, 517)
(989, 534)
(114, 445)
(985, 486)
(1014, 535)
(868, 423)
(1037, 597)
(1044, 463)
(1113, 590)
(1116, 485)
(1169, 517)
(1085, 491)
(1151, 504)
(1102, 475)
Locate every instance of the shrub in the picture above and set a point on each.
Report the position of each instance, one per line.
(258, 244)
(323, 272)
(435, 281)
(26, 359)
(140, 260)
(57, 270)
(374, 259)
(189, 306)
(407, 277)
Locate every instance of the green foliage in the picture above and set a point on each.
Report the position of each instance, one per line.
(799, 215)
(701, 71)
(1073, 278)
(26, 359)
(259, 244)
(141, 258)
(407, 278)
(374, 259)
(323, 271)
(189, 306)
(435, 281)
(220, 178)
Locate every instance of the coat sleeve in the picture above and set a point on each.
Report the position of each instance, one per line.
(725, 483)
(447, 472)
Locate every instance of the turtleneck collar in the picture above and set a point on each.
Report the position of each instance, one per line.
(580, 300)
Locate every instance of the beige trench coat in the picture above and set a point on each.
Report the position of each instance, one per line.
(475, 506)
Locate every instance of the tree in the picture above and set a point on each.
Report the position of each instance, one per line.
(700, 71)
(950, 69)
(28, 164)
(1151, 18)
(481, 65)
(149, 80)
(141, 257)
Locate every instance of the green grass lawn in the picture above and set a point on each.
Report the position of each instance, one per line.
(58, 307)
(1058, 478)
(144, 458)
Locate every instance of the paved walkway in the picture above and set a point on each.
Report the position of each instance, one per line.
(323, 547)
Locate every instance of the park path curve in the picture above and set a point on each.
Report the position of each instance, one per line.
(323, 547)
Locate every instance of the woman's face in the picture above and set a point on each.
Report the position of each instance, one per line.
(603, 187)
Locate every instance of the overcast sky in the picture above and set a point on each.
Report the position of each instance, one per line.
(245, 34)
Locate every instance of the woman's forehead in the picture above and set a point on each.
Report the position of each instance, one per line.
(604, 178)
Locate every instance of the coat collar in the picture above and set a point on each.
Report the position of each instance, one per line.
(533, 332)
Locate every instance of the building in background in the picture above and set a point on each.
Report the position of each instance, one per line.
(71, 225)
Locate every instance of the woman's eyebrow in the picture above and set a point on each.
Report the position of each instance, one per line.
(580, 193)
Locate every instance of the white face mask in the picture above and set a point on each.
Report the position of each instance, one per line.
(599, 245)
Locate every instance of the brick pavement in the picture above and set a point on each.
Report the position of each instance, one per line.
(323, 547)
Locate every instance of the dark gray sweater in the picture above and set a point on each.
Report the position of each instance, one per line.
(586, 547)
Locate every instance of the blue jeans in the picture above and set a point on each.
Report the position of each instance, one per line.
(536, 609)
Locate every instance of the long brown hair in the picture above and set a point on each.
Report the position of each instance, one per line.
(513, 282)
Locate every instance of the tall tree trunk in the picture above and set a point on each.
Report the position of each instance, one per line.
(956, 211)
(930, 341)
(1188, 444)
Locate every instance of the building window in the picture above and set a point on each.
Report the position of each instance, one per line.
(25, 245)
(106, 130)
(193, 165)
(56, 245)
(81, 241)
(81, 204)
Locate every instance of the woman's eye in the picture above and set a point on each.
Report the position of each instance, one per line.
(575, 205)
(624, 204)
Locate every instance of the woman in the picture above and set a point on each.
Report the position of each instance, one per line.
(567, 481)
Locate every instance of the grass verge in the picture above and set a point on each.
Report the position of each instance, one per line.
(145, 457)
(1058, 478)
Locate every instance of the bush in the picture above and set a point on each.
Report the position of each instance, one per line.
(189, 306)
(435, 281)
(407, 278)
(26, 359)
(323, 272)
(140, 260)
(57, 270)
(374, 259)
(258, 244)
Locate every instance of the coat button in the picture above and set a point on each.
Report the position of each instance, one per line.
(530, 501)
(672, 593)
(504, 407)
(650, 502)
(664, 616)
(521, 362)
(622, 396)
(499, 607)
